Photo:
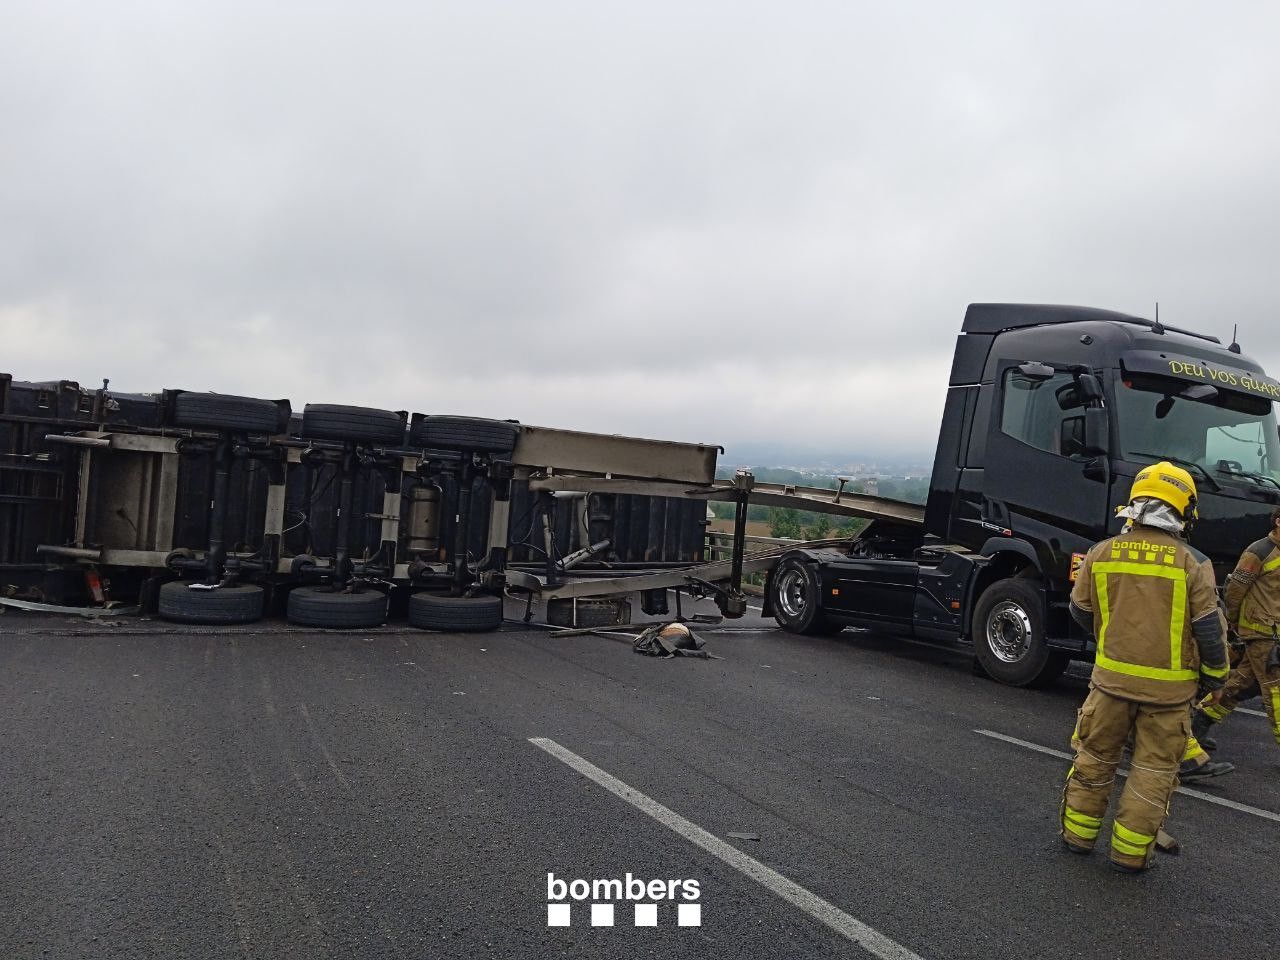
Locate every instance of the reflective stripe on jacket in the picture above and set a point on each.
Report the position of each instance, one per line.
(1145, 590)
(1253, 590)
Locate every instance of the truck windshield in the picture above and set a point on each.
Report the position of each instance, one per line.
(1230, 435)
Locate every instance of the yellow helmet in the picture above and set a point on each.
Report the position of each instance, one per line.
(1168, 482)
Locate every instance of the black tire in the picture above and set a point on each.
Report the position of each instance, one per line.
(1009, 634)
(331, 421)
(220, 411)
(241, 603)
(794, 597)
(463, 433)
(591, 613)
(322, 607)
(1054, 667)
(431, 611)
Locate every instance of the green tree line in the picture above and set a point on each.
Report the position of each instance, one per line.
(796, 524)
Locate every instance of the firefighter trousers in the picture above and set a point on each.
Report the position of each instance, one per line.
(1160, 735)
(1251, 671)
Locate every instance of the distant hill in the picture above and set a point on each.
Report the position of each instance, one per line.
(809, 462)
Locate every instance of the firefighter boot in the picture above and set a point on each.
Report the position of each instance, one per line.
(1200, 724)
(1167, 843)
(1191, 770)
(1125, 868)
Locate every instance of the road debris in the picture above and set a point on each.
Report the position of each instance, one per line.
(670, 640)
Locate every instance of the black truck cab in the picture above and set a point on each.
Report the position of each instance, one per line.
(1051, 412)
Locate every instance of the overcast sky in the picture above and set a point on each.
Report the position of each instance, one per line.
(731, 222)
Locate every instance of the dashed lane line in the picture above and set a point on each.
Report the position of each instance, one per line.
(1209, 797)
(869, 939)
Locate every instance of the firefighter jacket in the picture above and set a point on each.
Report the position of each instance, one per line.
(1150, 600)
(1253, 590)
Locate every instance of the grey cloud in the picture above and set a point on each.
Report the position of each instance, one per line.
(707, 221)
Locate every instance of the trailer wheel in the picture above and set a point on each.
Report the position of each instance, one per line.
(432, 611)
(241, 603)
(1009, 634)
(464, 433)
(794, 593)
(325, 608)
(220, 411)
(332, 421)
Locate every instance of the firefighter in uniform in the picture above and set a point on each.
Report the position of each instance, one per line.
(1151, 602)
(1253, 614)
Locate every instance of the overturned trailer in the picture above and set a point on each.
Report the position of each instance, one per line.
(216, 508)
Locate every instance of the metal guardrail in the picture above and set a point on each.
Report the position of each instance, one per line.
(720, 545)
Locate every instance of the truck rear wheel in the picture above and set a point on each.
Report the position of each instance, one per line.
(1009, 636)
(471, 434)
(240, 603)
(433, 611)
(220, 411)
(335, 421)
(795, 597)
(336, 610)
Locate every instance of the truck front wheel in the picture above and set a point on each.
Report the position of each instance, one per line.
(1009, 636)
(795, 592)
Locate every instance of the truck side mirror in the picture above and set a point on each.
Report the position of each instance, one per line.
(1097, 432)
(1090, 388)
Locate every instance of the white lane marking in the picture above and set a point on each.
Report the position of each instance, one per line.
(1024, 743)
(1221, 801)
(868, 938)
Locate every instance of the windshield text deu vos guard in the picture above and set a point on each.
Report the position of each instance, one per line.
(1267, 388)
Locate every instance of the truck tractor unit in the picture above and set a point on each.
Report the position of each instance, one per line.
(1050, 413)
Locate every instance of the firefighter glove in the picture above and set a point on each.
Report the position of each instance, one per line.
(1207, 685)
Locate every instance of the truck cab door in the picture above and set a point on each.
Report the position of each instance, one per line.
(1045, 480)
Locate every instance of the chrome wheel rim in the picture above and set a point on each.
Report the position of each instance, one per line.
(1008, 631)
(793, 593)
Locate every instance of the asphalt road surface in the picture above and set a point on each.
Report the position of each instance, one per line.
(276, 792)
